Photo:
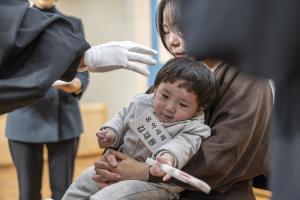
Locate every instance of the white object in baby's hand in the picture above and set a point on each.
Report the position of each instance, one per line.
(60, 82)
(181, 175)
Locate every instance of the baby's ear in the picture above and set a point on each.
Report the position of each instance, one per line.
(201, 109)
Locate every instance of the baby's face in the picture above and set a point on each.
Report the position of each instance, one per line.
(173, 104)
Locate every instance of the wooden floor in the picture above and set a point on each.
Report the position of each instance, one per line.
(9, 189)
(8, 179)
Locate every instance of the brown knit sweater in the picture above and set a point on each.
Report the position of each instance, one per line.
(238, 149)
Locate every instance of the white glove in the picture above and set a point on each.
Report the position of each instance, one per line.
(118, 55)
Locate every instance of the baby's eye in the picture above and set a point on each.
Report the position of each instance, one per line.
(183, 105)
(164, 96)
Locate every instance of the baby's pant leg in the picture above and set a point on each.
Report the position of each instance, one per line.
(83, 187)
(133, 190)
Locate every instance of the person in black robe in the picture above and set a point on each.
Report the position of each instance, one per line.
(54, 123)
(38, 48)
(262, 37)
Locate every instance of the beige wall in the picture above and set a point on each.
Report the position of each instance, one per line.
(108, 20)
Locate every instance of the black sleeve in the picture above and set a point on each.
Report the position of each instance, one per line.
(257, 36)
(84, 78)
(36, 49)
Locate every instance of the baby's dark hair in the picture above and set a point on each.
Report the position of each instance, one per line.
(196, 78)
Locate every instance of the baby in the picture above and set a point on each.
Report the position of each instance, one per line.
(167, 125)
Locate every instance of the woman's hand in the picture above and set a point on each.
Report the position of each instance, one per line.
(115, 166)
(104, 168)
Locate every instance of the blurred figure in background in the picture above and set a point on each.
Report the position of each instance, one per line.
(53, 121)
(259, 37)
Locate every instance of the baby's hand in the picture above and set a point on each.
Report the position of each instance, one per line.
(106, 137)
(165, 158)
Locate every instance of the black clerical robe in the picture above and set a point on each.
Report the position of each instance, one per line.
(36, 49)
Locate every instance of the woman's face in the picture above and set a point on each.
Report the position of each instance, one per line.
(173, 39)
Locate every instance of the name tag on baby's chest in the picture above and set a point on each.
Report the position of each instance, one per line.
(150, 131)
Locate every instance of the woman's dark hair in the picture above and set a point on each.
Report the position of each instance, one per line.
(195, 77)
(174, 17)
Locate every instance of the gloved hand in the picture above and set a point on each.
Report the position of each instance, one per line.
(118, 55)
